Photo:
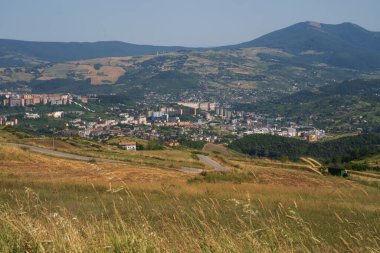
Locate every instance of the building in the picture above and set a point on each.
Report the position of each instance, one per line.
(57, 115)
(204, 106)
(32, 115)
(11, 122)
(142, 120)
(312, 138)
(84, 100)
(3, 120)
(16, 100)
(128, 145)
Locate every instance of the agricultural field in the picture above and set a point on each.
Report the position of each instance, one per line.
(143, 203)
(246, 69)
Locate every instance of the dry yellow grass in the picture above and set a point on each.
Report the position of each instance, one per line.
(106, 74)
(47, 207)
(24, 164)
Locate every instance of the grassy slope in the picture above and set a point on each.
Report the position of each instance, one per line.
(249, 68)
(49, 204)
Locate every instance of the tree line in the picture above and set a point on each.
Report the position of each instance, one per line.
(342, 150)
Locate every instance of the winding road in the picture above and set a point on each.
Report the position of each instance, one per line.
(61, 154)
(205, 159)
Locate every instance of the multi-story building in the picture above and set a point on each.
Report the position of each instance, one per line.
(15, 100)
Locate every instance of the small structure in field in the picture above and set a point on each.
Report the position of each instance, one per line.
(337, 171)
(128, 145)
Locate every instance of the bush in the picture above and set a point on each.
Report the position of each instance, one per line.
(222, 176)
(154, 145)
(97, 66)
(194, 144)
(362, 167)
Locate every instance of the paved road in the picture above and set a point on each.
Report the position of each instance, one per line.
(208, 161)
(62, 154)
(205, 159)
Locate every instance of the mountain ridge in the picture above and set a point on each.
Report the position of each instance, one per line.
(344, 45)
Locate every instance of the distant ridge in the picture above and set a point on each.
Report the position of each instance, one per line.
(344, 45)
(70, 51)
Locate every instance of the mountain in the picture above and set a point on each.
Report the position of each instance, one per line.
(344, 45)
(304, 56)
(16, 52)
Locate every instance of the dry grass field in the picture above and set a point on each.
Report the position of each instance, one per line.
(106, 74)
(27, 165)
(51, 204)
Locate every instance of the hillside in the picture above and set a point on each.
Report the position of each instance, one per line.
(344, 149)
(20, 53)
(343, 106)
(344, 45)
(144, 203)
(240, 70)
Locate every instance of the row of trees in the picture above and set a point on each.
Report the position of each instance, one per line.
(344, 149)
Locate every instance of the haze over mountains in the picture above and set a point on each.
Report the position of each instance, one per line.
(345, 45)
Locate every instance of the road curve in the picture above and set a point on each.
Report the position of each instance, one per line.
(208, 161)
(62, 154)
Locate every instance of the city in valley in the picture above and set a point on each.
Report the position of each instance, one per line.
(171, 123)
(206, 126)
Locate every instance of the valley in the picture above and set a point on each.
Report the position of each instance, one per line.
(270, 145)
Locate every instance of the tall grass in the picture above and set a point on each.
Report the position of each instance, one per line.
(173, 218)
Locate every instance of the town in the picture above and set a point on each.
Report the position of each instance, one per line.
(169, 123)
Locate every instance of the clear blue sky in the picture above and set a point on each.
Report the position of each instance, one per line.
(173, 22)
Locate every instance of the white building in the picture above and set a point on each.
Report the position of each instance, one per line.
(32, 115)
(128, 145)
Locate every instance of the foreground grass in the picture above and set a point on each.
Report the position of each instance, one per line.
(218, 217)
(261, 206)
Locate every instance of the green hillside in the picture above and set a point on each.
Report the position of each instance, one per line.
(344, 149)
(344, 106)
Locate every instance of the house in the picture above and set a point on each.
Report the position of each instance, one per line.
(128, 145)
(84, 100)
(12, 122)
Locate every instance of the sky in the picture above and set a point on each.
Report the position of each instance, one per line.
(173, 22)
